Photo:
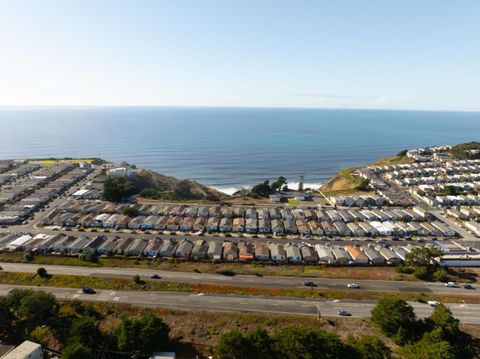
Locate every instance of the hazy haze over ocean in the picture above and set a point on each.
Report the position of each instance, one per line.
(230, 147)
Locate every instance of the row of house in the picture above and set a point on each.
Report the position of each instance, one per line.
(201, 249)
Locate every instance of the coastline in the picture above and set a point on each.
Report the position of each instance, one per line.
(292, 185)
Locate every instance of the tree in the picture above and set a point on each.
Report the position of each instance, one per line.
(306, 343)
(130, 211)
(117, 189)
(261, 189)
(32, 305)
(77, 351)
(7, 319)
(402, 153)
(42, 272)
(260, 345)
(28, 256)
(370, 347)
(422, 256)
(85, 330)
(431, 346)
(232, 345)
(395, 318)
(279, 183)
(144, 335)
(449, 190)
(443, 319)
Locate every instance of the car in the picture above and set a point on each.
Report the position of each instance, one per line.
(433, 303)
(450, 284)
(155, 276)
(88, 291)
(353, 286)
(344, 313)
(309, 284)
(467, 286)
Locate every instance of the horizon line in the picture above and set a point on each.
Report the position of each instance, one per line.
(11, 107)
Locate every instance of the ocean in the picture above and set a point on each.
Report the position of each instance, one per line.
(230, 148)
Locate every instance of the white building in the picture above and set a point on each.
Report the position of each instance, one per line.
(26, 350)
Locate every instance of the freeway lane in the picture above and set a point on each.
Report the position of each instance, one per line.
(467, 313)
(242, 280)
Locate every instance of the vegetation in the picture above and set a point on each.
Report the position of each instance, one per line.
(297, 342)
(399, 158)
(117, 189)
(449, 190)
(343, 181)
(421, 263)
(144, 335)
(437, 336)
(464, 151)
(151, 193)
(42, 272)
(130, 211)
(265, 189)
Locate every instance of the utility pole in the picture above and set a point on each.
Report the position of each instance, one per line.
(300, 183)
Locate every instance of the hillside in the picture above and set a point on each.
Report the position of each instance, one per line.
(344, 182)
(151, 184)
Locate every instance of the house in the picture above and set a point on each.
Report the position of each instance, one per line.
(293, 253)
(357, 255)
(277, 227)
(215, 250)
(137, 247)
(121, 245)
(324, 254)
(184, 249)
(251, 225)
(390, 256)
(262, 252)
(122, 221)
(277, 252)
(289, 227)
(199, 224)
(356, 229)
(161, 223)
(186, 224)
(274, 213)
(107, 247)
(191, 212)
(298, 214)
(225, 224)
(173, 223)
(203, 211)
(329, 229)
(136, 222)
(302, 227)
(212, 224)
(251, 213)
(308, 254)
(199, 250)
(217, 212)
(374, 256)
(264, 225)
(153, 248)
(315, 228)
(238, 224)
(167, 249)
(340, 255)
(245, 251)
(149, 222)
(230, 251)
(26, 350)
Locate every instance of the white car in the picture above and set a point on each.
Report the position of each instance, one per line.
(353, 286)
(433, 303)
(450, 284)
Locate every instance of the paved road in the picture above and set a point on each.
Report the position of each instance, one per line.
(467, 313)
(243, 280)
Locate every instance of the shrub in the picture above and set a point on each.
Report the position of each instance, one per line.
(42, 272)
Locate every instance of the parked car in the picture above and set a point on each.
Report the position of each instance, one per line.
(353, 286)
(309, 284)
(88, 290)
(155, 276)
(433, 303)
(450, 284)
(467, 286)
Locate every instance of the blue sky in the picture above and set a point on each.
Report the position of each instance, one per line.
(405, 54)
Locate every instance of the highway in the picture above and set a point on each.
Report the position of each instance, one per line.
(466, 313)
(243, 280)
